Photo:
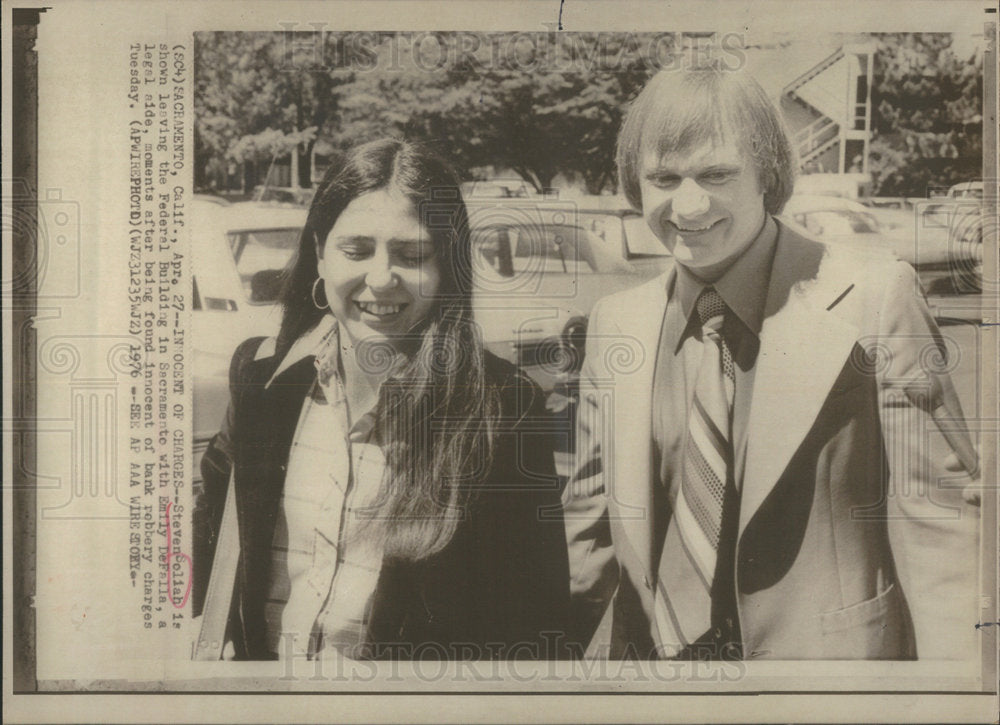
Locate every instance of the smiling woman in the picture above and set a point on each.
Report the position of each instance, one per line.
(379, 269)
(394, 495)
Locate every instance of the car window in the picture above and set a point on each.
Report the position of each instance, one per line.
(510, 250)
(606, 227)
(842, 222)
(966, 192)
(640, 239)
(491, 251)
(261, 255)
(935, 216)
(558, 247)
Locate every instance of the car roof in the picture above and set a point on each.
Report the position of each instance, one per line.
(261, 215)
(801, 203)
(247, 215)
(251, 215)
(613, 212)
(965, 188)
(212, 199)
(532, 209)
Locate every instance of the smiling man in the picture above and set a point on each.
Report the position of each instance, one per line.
(706, 204)
(733, 490)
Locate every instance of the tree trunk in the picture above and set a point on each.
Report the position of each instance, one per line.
(530, 177)
(305, 166)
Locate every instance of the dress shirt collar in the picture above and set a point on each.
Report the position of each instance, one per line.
(743, 287)
(323, 344)
(322, 341)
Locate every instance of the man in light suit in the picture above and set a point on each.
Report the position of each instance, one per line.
(733, 490)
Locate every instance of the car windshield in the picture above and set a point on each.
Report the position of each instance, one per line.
(841, 222)
(640, 240)
(261, 255)
(509, 250)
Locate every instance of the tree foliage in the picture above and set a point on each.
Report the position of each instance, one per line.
(255, 98)
(535, 104)
(927, 115)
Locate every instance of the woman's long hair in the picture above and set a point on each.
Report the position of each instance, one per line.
(437, 413)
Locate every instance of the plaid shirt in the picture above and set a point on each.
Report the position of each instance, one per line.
(324, 561)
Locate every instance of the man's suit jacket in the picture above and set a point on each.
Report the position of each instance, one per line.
(498, 589)
(815, 572)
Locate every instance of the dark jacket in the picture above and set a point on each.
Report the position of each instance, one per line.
(499, 589)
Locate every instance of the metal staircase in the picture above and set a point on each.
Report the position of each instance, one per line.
(816, 139)
(814, 71)
(823, 133)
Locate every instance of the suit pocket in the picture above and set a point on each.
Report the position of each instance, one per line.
(862, 614)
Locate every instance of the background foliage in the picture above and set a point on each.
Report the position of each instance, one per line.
(539, 106)
(927, 115)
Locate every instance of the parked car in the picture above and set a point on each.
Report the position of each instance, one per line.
(966, 190)
(238, 252)
(920, 236)
(957, 216)
(283, 195)
(497, 189)
(965, 230)
(211, 199)
(538, 270)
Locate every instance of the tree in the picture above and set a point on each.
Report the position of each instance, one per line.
(538, 104)
(927, 122)
(259, 95)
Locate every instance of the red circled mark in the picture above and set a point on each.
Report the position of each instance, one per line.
(171, 555)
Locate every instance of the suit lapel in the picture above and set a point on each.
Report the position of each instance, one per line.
(265, 423)
(803, 348)
(633, 414)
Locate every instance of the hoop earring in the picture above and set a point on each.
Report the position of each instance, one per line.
(314, 301)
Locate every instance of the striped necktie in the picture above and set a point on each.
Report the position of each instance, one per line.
(687, 567)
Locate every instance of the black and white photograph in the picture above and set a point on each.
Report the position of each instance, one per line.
(530, 361)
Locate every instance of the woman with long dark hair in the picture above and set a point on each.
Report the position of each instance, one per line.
(394, 486)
